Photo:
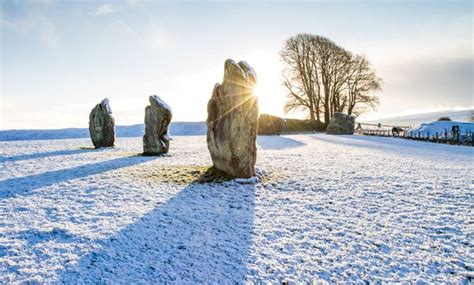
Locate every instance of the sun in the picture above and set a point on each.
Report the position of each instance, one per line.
(258, 89)
(268, 89)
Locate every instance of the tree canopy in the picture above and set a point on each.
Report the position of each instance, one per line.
(323, 78)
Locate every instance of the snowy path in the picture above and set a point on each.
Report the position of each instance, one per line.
(330, 208)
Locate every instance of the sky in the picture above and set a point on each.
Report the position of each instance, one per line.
(60, 58)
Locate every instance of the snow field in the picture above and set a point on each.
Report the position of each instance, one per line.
(328, 208)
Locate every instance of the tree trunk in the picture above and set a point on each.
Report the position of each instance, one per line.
(318, 117)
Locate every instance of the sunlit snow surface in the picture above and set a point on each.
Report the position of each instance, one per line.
(345, 208)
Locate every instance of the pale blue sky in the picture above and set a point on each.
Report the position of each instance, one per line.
(60, 58)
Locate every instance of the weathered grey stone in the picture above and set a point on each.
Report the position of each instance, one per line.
(232, 121)
(102, 125)
(157, 119)
(341, 124)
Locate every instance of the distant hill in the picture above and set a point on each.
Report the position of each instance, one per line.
(412, 120)
(176, 129)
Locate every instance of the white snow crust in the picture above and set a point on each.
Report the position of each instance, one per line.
(106, 104)
(161, 103)
(327, 208)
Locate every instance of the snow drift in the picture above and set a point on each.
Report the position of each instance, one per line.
(441, 128)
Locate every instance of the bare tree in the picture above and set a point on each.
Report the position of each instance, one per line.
(323, 78)
(300, 76)
(360, 82)
(334, 67)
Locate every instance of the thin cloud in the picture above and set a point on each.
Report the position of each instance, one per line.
(439, 79)
(49, 34)
(41, 26)
(106, 9)
(158, 37)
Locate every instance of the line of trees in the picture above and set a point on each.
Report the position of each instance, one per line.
(323, 78)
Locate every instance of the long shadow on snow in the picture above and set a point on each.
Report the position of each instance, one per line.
(25, 185)
(277, 142)
(201, 235)
(43, 154)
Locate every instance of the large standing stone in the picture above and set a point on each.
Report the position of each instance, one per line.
(102, 125)
(157, 119)
(232, 121)
(341, 124)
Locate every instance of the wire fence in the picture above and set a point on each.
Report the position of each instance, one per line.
(454, 136)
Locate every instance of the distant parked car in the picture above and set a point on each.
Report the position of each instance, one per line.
(396, 131)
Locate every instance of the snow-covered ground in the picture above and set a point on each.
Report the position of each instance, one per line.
(333, 208)
(442, 128)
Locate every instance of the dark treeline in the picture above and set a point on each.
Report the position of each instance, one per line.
(323, 78)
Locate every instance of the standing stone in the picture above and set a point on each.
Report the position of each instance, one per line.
(232, 121)
(157, 119)
(102, 125)
(341, 124)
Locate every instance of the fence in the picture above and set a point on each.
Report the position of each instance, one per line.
(447, 137)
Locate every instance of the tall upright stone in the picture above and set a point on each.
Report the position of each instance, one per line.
(102, 125)
(232, 121)
(157, 119)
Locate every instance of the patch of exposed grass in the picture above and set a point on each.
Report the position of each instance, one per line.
(213, 174)
(186, 174)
